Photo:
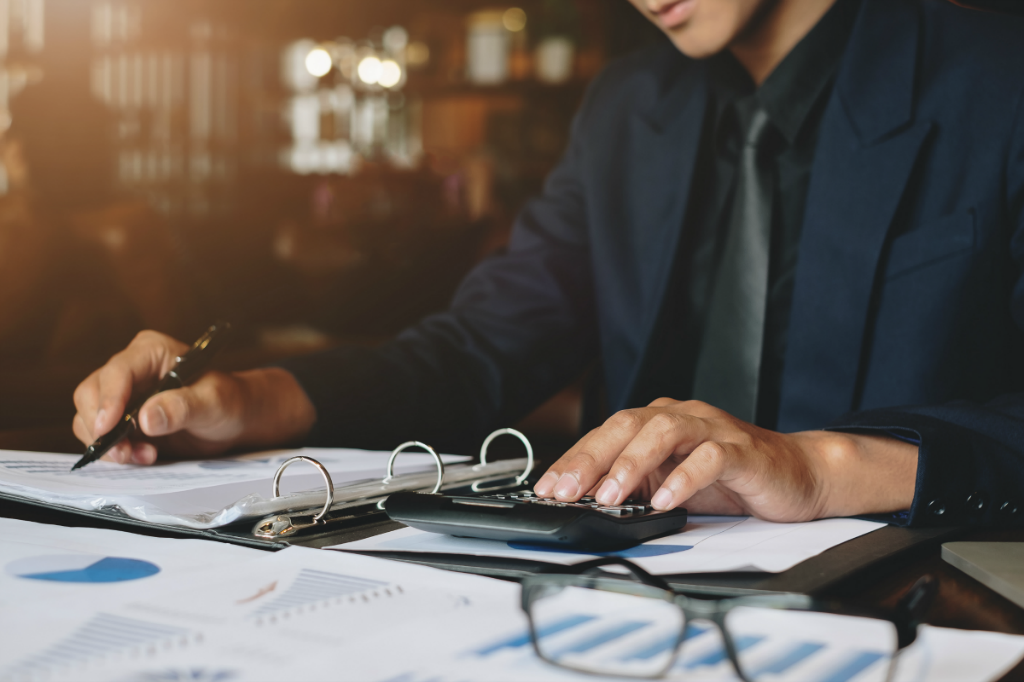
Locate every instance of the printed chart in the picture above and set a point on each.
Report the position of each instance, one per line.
(81, 568)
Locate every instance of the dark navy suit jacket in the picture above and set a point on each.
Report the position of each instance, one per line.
(908, 306)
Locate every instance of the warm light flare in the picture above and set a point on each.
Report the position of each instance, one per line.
(318, 62)
(514, 19)
(369, 70)
(390, 73)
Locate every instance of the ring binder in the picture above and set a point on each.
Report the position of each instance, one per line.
(415, 443)
(483, 459)
(323, 470)
(358, 502)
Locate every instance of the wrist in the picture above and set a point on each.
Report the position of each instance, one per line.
(275, 411)
(866, 474)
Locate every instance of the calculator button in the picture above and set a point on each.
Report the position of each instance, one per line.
(614, 511)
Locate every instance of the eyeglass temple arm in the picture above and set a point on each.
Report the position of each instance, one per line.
(644, 577)
(913, 607)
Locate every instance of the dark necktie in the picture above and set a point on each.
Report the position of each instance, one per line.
(729, 362)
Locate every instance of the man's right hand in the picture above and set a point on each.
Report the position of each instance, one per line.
(256, 408)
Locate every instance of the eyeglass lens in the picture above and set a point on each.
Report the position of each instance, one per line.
(622, 634)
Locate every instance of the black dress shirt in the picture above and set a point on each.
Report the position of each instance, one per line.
(794, 96)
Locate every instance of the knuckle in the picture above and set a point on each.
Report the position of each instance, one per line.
(663, 402)
(148, 337)
(712, 452)
(584, 460)
(81, 394)
(697, 407)
(629, 464)
(663, 422)
(626, 420)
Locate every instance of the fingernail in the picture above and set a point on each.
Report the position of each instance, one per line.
(156, 421)
(101, 418)
(567, 486)
(546, 484)
(608, 493)
(662, 499)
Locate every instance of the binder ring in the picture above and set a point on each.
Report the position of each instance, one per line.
(323, 470)
(409, 444)
(529, 454)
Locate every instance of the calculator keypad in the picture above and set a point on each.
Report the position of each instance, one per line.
(628, 508)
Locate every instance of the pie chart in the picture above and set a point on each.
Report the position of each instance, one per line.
(81, 568)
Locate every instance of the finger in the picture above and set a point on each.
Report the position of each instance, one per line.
(86, 398)
(664, 434)
(143, 453)
(146, 358)
(203, 407)
(81, 431)
(120, 453)
(663, 402)
(582, 466)
(709, 462)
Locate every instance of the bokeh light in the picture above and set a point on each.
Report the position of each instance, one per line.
(514, 19)
(319, 62)
(369, 70)
(390, 73)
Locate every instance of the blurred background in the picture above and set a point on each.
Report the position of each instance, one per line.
(316, 171)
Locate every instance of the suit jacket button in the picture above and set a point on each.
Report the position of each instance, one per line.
(976, 502)
(937, 507)
(1008, 509)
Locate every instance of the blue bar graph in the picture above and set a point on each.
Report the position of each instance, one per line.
(103, 634)
(853, 666)
(790, 656)
(547, 630)
(602, 636)
(664, 644)
(312, 587)
(782, 654)
(718, 655)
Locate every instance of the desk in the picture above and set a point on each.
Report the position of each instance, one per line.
(962, 603)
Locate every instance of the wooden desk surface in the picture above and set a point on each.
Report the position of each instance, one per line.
(963, 602)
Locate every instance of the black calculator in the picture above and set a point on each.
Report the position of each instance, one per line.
(522, 518)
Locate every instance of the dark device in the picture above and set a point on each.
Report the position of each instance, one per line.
(522, 517)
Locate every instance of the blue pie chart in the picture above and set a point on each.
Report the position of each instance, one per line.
(81, 568)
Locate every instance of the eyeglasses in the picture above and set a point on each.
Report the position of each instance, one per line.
(635, 625)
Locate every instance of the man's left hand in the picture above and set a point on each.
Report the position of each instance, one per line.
(689, 452)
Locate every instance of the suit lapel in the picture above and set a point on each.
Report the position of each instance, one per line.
(866, 152)
(664, 144)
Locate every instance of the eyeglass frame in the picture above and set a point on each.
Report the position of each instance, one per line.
(905, 617)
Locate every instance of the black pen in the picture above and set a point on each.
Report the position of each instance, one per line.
(187, 368)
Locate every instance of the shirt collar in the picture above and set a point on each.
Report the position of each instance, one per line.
(791, 91)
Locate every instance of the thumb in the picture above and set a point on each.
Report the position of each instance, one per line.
(171, 411)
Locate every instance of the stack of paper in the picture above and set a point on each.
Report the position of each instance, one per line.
(199, 494)
(98, 611)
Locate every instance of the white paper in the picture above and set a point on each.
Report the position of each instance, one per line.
(709, 544)
(309, 615)
(196, 494)
(499, 649)
(42, 561)
(266, 616)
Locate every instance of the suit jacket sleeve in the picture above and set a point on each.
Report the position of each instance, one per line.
(971, 461)
(520, 327)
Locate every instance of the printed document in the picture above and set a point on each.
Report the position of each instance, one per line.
(196, 494)
(708, 544)
(312, 615)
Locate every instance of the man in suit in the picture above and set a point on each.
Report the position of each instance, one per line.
(809, 213)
